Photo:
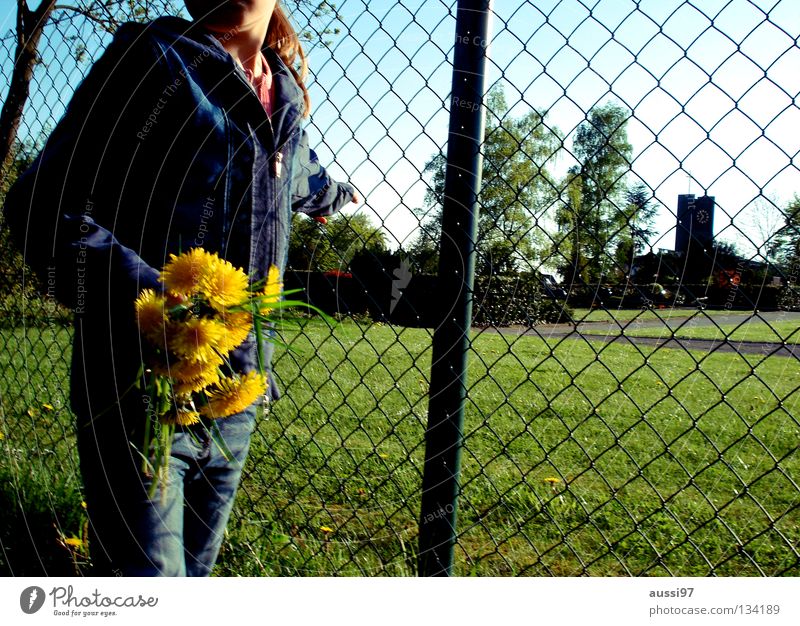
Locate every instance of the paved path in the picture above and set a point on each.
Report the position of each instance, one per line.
(572, 331)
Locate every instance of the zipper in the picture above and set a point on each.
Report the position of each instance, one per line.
(278, 150)
(226, 209)
(276, 159)
(240, 73)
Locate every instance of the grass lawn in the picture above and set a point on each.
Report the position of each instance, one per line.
(579, 457)
(628, 315)
(750, 328)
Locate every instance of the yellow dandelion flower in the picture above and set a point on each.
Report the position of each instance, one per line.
(195, 339)
(184, 371)
(326, 529)
(237, 327)
(184, 274)
(150, 313)
(272, 289)
(234, 394)
(197, 384)
(552, 480)
(73, 542)
(224, 285)
(182, 416)
(186, 417)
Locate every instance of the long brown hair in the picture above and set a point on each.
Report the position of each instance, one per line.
(283, 39)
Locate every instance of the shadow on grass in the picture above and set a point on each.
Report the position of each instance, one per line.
(42, 527)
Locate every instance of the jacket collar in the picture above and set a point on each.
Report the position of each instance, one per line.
(289, 103)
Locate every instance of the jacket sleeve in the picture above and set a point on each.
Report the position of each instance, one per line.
(313, 190)
(61, 209)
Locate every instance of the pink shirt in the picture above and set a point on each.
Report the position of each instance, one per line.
(263, 85)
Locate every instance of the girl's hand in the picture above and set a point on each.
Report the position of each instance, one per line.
(324, 220)
(172, 301)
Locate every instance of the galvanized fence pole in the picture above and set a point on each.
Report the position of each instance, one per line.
(443, 437)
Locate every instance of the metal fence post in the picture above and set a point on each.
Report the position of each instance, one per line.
(443, 436)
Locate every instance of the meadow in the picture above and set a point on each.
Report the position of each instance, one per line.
(579, 457)
(749, 328)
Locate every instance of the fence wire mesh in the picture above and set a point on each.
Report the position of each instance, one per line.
(632, 396)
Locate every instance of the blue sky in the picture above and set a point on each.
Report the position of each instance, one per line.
(701, 94)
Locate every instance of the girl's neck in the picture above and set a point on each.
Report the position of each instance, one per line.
(244, 45)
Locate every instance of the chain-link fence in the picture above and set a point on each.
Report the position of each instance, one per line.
(632, 382)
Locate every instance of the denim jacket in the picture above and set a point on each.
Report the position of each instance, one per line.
(164, 146)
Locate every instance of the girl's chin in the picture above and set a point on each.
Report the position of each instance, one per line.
(234, 14)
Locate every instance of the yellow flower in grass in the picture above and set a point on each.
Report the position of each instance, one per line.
(234, 394)
(224, 285)
(237, 327)
(272, 289)
(150, 314)
(195, 339)
(184, 273)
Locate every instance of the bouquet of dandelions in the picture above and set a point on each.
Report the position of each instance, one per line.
(208, 308)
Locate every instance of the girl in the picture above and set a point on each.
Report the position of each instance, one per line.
(183, 134)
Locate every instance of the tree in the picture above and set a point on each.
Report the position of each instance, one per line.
(639, 219)
(592, 218)
(515, 191)
(787, 239)
(313, 247)
(764, 220)
(11, 265)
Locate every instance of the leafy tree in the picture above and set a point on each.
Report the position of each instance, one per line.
(763, 220)
(788, 240)
(11, 265)
(515, 191)
(593, 216)
(639, 220)
(423, 252)
(313, 247)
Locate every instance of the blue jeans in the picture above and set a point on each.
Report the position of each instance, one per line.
(176, 535)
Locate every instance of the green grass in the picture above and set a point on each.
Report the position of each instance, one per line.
(750, 328)
(39, 481)
(665, 462)
(650, 481)
(627, 315)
